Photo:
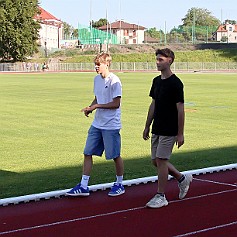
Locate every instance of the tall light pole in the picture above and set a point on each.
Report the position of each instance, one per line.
(165, 33)
(221, 25)
(138, 33)
(45, 49)
(90, 11)
(107, 26)
(91, 34)
(193, 28)
(120, 23)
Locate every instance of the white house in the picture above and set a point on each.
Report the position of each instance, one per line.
(127, 33)
(226, 33)
(51, 31)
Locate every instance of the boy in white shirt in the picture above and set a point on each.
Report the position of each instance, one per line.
(104, 133)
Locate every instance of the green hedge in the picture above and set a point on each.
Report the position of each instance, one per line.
(208, 55)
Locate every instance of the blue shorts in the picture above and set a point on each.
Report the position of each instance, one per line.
(100, 140)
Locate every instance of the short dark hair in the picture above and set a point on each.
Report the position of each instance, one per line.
(168, 53)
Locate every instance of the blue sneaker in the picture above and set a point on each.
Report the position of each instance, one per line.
(78, 191)
(116, 189)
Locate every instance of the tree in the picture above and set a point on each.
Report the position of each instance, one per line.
(67, 30)
(232, 22)
(176, 36)
(199, 23)
(201, 17)
(75, 33)
(99, 23)
(154, 33)
(18, 29)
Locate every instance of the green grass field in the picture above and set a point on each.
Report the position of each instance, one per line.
(43, 131)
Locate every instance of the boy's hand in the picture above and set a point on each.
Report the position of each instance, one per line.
(146, 134)
(180, 140)
(87, 111)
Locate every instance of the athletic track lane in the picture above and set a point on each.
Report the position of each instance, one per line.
(208, 210)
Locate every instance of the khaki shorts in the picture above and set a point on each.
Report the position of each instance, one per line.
(162, 146)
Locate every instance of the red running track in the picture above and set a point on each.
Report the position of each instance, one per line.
(209, 209)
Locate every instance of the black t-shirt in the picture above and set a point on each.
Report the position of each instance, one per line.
(166, 93)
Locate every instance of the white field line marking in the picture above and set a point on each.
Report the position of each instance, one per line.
(105, 214)
(207, 229)
(215, 182)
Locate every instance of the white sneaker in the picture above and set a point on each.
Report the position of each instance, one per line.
(184, 185)
(157, 201)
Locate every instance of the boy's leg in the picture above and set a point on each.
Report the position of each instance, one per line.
(171, 169)
(112, 144)
(161, 149)
(162, 167)
(174, 172)
(119, 167)
(118, 188)
(184, 181)
(87, 166)
(81, 189)
(94, 146)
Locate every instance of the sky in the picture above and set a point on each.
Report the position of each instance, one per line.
(163, 15)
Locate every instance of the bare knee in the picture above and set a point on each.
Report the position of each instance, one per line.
(88, 157)
(161, 162)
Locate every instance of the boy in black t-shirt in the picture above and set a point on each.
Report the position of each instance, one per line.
(166, 113)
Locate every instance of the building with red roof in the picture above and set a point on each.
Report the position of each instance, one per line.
(226, 33)
(51, 31)
(126, 32)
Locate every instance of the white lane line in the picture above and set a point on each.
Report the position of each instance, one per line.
(207, 229)
(105, 214)
(70, 220)
(215, 182)
(204, 195)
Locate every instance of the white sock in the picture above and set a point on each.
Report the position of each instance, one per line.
(119, 179)
(85, 181)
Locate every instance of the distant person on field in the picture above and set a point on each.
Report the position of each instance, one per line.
(166, 114)
(45, 66)
(104, 133)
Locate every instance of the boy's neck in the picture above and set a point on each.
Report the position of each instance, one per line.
(105, 74)
(166, 73)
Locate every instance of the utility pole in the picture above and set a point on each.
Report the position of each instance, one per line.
(193, 28)
(107, 27)
(165, 33)
(45, 49)
(221, 25)
(91, 33)
(120, 23)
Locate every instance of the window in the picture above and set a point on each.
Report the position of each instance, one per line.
(230, 28)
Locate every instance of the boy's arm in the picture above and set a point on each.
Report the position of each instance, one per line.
(115, 104)
(181, 118)
(150, 117)
(87, 109)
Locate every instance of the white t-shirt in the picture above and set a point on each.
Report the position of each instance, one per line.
(105, 89)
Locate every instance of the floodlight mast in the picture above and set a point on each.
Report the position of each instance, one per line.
(91, 21)
(120, 23)
(107, 27)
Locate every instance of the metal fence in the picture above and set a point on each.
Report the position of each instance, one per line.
(121, 66)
